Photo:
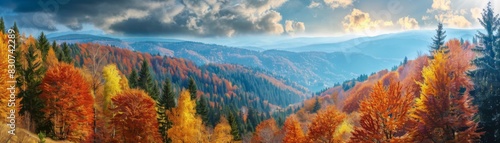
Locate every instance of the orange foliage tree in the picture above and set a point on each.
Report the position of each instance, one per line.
(324, 125)
(383, 114)
(293, 131)
(412, 74)
(265, 131)
(358, 93)
(444, 112)
(68, 101)
(135, 117)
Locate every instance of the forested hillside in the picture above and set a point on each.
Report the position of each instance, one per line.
(90, 92)
(101, 82)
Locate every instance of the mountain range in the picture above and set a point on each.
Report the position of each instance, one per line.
(315, 63)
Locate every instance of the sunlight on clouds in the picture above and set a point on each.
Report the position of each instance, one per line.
(292, 27)
(476, 13)
(313, 4)
(338, 3)
(455, 21)
(408, 23)
(360, 22)
(441, 5)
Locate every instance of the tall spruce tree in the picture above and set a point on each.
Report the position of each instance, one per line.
(43, 45)
(29, 80)
(202, 109)
(132, 79)
(66, 55)
(316, 106)
(168, 97)
(145, 81)
(192, 88)
(155, 92)
(56, 49)
(2, 25)
(234, 126)
(166, 102)
(438, 40)
(486, 76)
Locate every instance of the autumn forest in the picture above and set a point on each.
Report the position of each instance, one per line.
(99, 93)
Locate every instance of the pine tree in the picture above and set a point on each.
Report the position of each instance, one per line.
(145, 81)
(486, 76)
(28, 81)
(56, 50)
(202, 109)
(316, 106)
(163, 123)
(192, 88)
(234, 127)
(168, 97)
(132, 79)
(438, 39)
(66, 55)
(2, 25)
(43, 45)
(155, 92)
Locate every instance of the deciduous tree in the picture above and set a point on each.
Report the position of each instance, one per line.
(135, 117)
(265, 131)
(444, 112)
(68, 103)
(384, 114)
(187, 127)
(323, 126)
(222, 132)
(293, 131)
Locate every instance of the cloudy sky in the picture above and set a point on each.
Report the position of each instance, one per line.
(231, 18)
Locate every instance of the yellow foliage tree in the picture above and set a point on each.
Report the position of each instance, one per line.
(51, 58)
(343, 132)
(4, 93)
(112, 87)
(222, 132)
(112, 83)
(444, 112)
(187, 127)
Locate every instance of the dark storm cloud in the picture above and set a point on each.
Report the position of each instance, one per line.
(157, 17)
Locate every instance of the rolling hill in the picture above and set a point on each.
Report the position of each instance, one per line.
(315, 66)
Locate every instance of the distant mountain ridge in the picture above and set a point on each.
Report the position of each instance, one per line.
(314, 66)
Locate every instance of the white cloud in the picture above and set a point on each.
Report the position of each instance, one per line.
(359, 21)
(313, 4)
(476, 13)
(408, 23)
(338, 3)
(292, 27)
(451, 20)
(443, 5)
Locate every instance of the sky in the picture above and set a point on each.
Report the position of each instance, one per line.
(239, 18)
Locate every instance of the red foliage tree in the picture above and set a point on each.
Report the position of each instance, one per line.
(68, 103)
(135, 117)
